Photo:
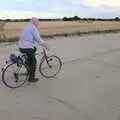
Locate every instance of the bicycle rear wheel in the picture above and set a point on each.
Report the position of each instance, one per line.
(14, 75)
(51, 67)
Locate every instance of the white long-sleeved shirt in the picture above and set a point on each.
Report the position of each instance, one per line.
(29, 36)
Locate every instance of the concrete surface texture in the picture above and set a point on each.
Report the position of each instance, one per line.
(87, 88)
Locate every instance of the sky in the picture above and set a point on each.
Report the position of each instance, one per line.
(59, 8)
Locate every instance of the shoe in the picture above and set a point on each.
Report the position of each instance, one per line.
(33, 80)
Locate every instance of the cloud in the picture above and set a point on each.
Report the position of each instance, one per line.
(104, 8)
(26, 14)
(97, 3)
(58, 8)
(35, 6)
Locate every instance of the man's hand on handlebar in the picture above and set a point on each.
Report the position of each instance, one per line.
(45, 46)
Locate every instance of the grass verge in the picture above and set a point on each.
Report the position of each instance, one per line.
(67, 34)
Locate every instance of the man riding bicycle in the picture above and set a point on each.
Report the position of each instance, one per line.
(29, 36)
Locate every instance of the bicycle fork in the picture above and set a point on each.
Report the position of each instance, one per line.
(46, 58)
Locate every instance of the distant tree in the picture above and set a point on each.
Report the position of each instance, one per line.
(92, 19)
(117, 19)
(76, 18)
(65, 19)
(84, 18)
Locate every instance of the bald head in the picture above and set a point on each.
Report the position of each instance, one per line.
(35, 21)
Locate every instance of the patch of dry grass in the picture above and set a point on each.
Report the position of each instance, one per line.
(13, 30)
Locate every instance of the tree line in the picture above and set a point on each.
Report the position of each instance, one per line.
(74, 18)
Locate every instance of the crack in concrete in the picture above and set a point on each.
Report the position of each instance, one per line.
(70, 106)
(92, 56)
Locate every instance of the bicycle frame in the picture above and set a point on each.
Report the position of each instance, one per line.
(44, 57)
(43, 52)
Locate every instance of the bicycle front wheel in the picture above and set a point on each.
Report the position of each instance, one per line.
(14, 75)
(50, 67)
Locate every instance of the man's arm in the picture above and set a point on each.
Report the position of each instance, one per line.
(38, 38)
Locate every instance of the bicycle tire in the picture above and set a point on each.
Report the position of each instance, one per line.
(5, 72)
(49, 59)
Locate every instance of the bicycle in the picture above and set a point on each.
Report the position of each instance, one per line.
(17, 71)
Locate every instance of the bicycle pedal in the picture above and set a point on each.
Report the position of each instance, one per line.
(2, 69)
(16, 76)
(8, 61)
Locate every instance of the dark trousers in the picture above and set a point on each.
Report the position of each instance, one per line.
(31, 61)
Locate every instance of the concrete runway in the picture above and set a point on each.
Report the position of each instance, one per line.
(87, 88)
